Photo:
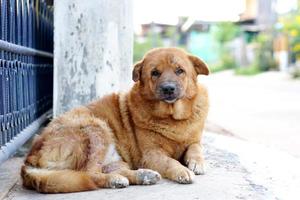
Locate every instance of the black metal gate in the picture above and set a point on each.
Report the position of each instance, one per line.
(26, 65)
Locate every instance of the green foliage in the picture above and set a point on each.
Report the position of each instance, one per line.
(264, 60)
(213, 68)
(152, 40)
(226, 31)
(296, 73)
(171, 32)
(291, 26)
(139, 49)
(223, 33)
(248, 71)
(226, 62)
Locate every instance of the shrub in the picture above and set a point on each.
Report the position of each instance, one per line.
(152, 40)
(264, 60)
(223, 33)
(248, 71)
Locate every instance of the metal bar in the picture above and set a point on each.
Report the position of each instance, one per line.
(26, 70)
(11, 147)
(7, 46)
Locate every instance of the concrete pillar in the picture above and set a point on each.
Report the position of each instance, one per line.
(93, 44)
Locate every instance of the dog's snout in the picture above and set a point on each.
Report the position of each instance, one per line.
(168, 91)
(168, 88)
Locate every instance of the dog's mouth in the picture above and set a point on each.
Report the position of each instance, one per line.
(170, 99)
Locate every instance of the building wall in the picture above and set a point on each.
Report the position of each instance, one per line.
(93, 42)
(250, 9)
(266, 15)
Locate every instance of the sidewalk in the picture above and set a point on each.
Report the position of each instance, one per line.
(236, 170)
(263, 109)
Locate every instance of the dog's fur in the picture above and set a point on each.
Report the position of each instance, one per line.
(121, 139)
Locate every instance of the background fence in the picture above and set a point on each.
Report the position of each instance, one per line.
(26, 65)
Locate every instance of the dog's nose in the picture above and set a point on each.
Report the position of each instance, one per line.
(168, 88)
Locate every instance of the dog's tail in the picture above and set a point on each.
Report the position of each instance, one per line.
(56, 181)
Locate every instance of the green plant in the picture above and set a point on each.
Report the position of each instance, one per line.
(296, 73)
(223, 33)
(248, 71)
(264, 60)
(139, 49)
(213, 68)
(291, 27)
(228, 61)
(142, 45)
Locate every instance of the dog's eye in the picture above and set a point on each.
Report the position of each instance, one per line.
(179, 71)
(155, 73)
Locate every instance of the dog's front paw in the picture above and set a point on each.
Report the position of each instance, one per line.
(197, 167)
(182, 175)
(117, 181)
(147, 176)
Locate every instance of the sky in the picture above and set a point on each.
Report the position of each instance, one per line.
(168, 11)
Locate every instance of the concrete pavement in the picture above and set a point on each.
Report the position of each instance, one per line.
(263, 109)
(257, 157)
(236, 170)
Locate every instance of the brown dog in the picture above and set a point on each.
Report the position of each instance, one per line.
(108, 142)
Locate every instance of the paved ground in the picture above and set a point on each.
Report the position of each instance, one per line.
(261, 162)
(264, 109)
(236, 170)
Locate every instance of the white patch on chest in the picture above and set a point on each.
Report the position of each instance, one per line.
(111, 155)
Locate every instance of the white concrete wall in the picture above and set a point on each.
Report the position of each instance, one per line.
(93, 42)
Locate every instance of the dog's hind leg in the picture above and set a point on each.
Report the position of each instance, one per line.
(62, 181)
(98, 155)
(135, 177)
(69, 162)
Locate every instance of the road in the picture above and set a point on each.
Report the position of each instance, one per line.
(263, 109)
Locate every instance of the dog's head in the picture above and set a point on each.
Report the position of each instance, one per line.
(168, 74)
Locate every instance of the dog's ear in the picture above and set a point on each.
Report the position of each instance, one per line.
(137, 71)
(199, 65)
